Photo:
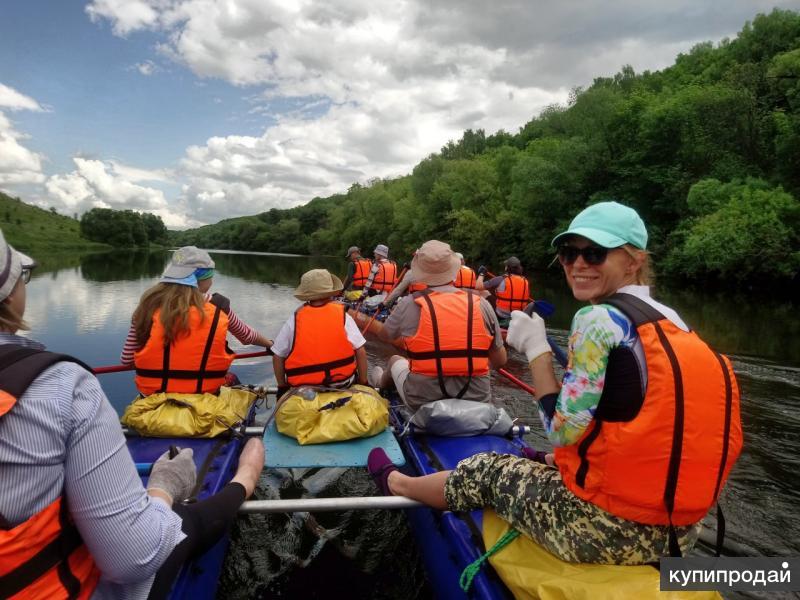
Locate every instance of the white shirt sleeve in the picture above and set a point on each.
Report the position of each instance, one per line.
(283, 343)
(353, 333)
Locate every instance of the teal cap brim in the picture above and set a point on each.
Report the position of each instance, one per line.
(598, 236)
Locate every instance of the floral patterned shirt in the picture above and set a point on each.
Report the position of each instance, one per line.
(595, 331)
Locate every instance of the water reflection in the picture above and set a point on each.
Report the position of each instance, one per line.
(124, 265)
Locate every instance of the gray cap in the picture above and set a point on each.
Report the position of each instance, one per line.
(186, 261)
(513, 261)
(382, 250)
(11, 264)
(352, 249)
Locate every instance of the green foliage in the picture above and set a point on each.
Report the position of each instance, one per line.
(743, 231)
(122, 228)
(33, 229)
(702, 149)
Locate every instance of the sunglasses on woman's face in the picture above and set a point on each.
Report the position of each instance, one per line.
(592, 255)
(26, 274)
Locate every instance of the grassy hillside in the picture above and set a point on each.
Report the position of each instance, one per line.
(30, 228)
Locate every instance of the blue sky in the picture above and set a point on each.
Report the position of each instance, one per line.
(202, 109)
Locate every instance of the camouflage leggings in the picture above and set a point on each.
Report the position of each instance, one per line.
(532, 497)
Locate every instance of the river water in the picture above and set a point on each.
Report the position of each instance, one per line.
(82, 305)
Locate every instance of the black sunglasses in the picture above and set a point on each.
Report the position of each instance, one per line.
(592, 255)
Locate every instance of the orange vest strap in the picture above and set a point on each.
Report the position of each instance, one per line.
(54, 554)
(326, 366)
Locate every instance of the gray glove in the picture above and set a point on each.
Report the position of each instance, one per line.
(174, 476)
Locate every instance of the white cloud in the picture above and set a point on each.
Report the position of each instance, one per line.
(18, 164)
(355, 89)
(146, 68)
(107, 184)
(126, 15)
(14, 100)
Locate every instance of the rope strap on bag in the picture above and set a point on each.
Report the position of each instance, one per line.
(471, 570)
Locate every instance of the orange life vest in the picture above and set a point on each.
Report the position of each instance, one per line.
(451, 339)
(515, 296)
(666, 461)
(321, 354)
(194, 363)
(465, 278)
(417, 287)
(361, 273)
(43, 557)
(386, 277)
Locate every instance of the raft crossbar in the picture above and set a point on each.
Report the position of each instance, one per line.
(328, 504)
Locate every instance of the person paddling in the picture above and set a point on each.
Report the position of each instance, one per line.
(383, 274)
(466, 277)
(358, 269)
(511, 290)
(452, 336)
(320, 344)
(75, 519)
(179, 326)
(645, 422)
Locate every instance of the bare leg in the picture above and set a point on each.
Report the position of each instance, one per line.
(428, 488)
(251, 463)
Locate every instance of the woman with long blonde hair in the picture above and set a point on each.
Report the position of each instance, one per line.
(177, 339)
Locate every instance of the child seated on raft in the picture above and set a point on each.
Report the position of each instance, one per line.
(320, 345)
(452, 336)
(171, 329)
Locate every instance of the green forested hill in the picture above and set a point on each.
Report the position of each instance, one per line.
(30, 228)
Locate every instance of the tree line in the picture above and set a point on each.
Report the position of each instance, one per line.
(707, 150)
(123, 228)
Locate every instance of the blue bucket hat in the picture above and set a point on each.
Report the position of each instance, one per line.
(608, 224)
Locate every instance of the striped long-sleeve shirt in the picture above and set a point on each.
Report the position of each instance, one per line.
(63, 437)
(236, 327)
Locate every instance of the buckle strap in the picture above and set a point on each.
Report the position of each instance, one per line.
(326, 366)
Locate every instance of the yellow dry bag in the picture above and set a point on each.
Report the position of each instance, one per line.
(531, 573)
(333, 416)
(188, 415)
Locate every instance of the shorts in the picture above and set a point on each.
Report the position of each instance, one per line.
(400, 371)
(533, 499)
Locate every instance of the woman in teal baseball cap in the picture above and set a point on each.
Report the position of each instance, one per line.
(645, 421)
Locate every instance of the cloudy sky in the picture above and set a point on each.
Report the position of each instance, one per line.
(198, 110)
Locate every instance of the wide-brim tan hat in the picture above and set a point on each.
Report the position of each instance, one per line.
(435, 263)
(317, 284)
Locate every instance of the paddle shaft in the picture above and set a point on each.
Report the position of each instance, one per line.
(516, 381)
(375, 314)
(559, 353)
(120, 368)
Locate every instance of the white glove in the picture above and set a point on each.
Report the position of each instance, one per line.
(527, 335)
(176, 476)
